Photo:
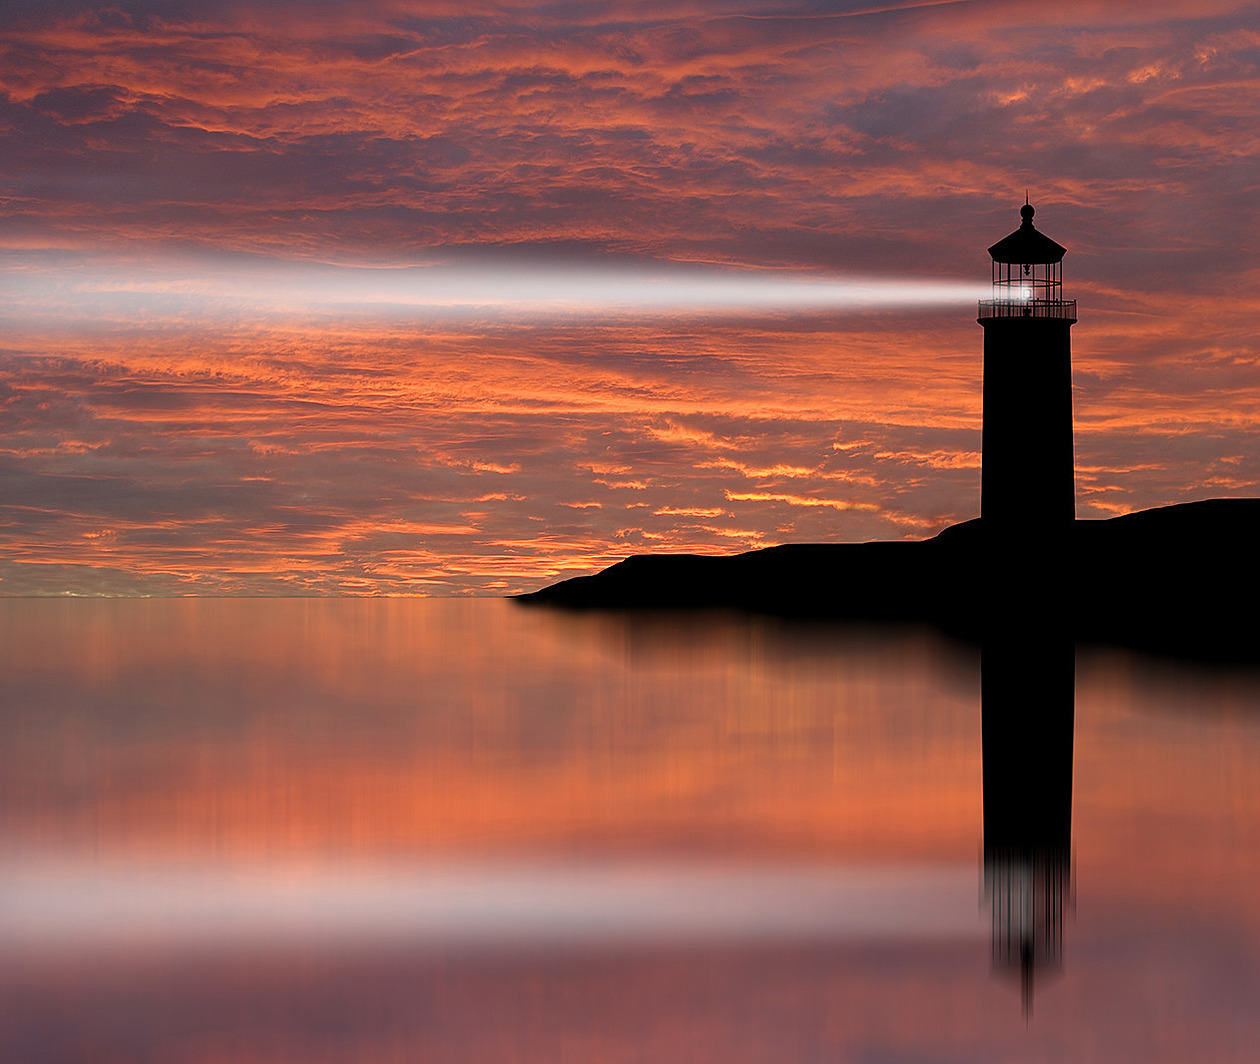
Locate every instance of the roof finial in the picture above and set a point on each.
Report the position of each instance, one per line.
(1025, 197)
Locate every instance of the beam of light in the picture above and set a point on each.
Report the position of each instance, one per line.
(465, 290)
(80, 904)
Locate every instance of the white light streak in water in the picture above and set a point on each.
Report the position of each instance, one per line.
(81, 905)
(455, 291)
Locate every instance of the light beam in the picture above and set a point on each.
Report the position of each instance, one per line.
(460, 290)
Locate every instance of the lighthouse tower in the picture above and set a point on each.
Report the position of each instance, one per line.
(1028, 483)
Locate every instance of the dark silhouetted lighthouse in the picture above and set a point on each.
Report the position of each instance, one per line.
(1028, 483)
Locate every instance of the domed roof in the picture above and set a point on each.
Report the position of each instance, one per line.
(1026, 244)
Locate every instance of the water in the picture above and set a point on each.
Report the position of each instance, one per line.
(448, 830)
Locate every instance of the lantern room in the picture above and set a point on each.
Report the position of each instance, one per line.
(1027, 275)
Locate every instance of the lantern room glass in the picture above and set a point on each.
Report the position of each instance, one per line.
(1029, 282)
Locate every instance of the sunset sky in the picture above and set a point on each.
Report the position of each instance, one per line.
(224, 368)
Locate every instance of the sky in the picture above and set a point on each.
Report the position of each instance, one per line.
(403, 298)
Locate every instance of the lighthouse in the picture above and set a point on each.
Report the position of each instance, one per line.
(1028, 483)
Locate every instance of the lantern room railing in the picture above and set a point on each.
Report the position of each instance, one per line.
(1062, 309)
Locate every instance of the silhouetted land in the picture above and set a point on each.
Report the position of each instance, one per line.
(1178, 579)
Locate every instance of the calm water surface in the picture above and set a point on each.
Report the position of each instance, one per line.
(403, 830)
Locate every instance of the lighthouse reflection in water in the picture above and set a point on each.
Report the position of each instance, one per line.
(1027, 691)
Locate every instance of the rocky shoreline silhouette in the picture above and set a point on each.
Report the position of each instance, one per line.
(1178, 580)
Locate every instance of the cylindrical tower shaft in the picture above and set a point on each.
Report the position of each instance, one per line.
(1028, 480)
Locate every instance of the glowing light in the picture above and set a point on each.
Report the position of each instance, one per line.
(462, 290)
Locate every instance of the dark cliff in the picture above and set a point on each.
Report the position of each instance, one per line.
(1180, 579)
